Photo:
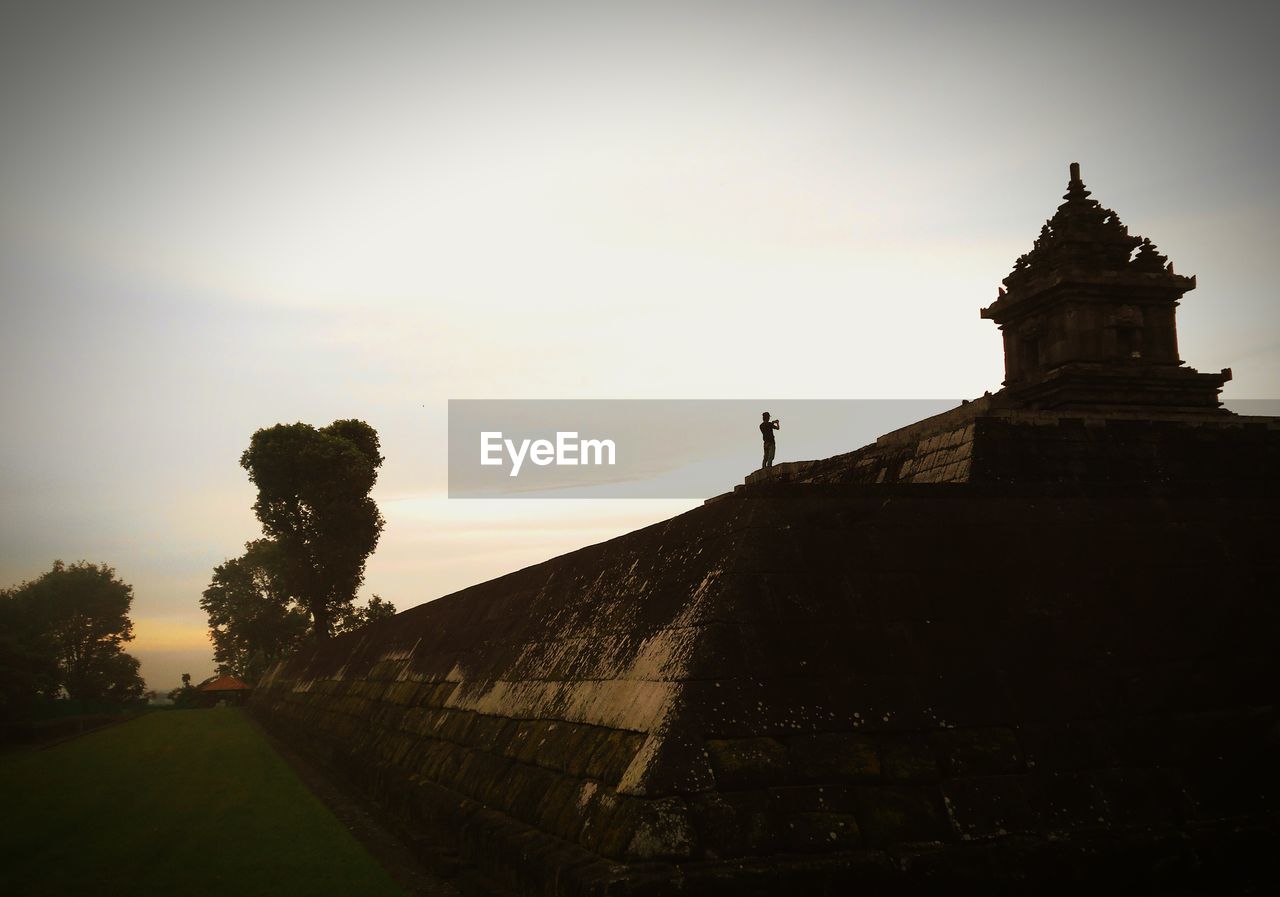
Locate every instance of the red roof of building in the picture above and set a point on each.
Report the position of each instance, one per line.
(225, 683)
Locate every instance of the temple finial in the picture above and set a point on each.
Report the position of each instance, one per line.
(1076, 191)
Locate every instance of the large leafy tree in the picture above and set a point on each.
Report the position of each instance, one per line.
(316, 511)
(66, 632)
(253, 619)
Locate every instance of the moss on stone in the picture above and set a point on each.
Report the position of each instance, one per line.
(747, 762)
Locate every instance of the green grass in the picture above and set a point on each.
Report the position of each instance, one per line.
(182, 803)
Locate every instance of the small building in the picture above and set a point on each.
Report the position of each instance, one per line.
(225, 688)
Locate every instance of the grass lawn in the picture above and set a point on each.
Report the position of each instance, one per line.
(181, 803)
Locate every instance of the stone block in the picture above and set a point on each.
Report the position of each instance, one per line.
(542, 861)
(413, 719)
(713, 648)
(448, 761)
(453, 725)
(1069, 802)
(576, 811)
(979, 751)
(612, 839)
(612, 754)
(740, 763)
(787, 649)
(486, 769)
(736, 824)
(1146, 798)
(965, 697)
(467, 779)
(529, 786)
(1141, 741)
(877, 703)
(560, 800)
(517, 741)
(498, 789)
(907, 758)
(533, 745)
(598, 823)
(578, 742)
(662, 830)
(888, 648)
(584, 743)
(667, 764)
(558, 742)
(431, 721)
(434, 758)
(402, 693)
(850, 872)
(1230, 762)
(990, 806)
(790, 799)
(1058, 747)
(724, 708)
(832, 758)
(819, 832)
(939, 869)
(440, 693)
(892, 815)
(487, 733)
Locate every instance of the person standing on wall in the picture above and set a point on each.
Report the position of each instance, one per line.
(767, 427)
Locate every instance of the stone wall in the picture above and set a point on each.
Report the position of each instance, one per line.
(983, 442)
(808, 687)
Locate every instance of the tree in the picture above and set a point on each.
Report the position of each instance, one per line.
(28, 672)
(69, 628)
(116, 679)
(253, 619)
(376, 608)
(314, 506)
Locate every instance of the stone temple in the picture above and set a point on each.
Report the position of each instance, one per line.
(1027, 645)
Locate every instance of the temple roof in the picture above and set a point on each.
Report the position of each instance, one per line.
(1083, 234)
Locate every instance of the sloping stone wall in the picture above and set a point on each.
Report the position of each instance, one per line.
(806, 687)
(537, 702)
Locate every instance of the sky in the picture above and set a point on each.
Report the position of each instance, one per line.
(215, 217)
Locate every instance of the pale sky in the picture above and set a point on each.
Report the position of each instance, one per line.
(220, 216)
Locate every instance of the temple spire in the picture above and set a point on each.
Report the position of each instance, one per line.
(1075, 186)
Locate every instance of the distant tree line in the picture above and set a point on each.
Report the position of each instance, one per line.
(63, 635)
(319, 523)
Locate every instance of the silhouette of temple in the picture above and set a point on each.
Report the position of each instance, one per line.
(1094, 389)
(1026, 645)
(1088, 318)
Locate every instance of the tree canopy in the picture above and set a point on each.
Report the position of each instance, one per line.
(253, 619)
(65, 632)
(319, 526)
(316, 511)
(377, 608)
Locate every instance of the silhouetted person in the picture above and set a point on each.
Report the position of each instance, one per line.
(766, 430)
